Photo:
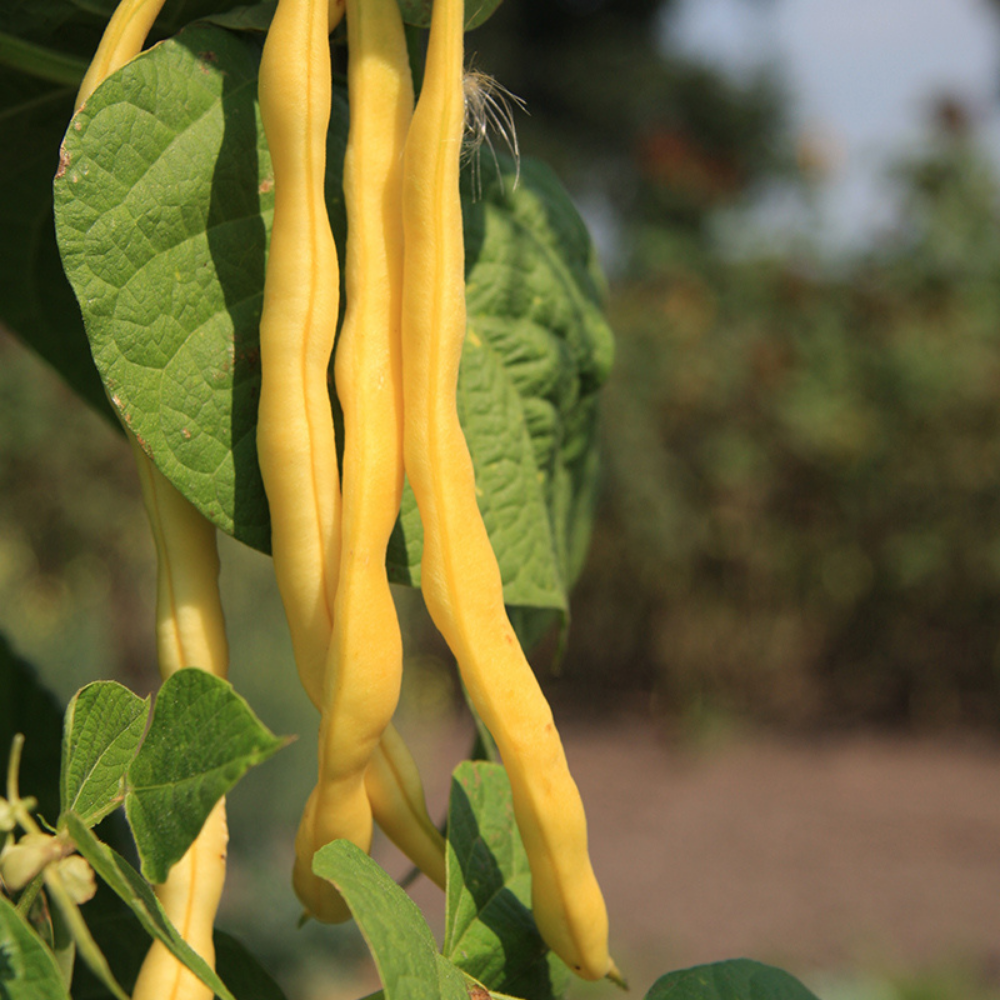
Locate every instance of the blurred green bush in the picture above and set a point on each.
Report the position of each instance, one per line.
(802, 500)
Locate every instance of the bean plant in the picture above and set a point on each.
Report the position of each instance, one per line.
(138, 259)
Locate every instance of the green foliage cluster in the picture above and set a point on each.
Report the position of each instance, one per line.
(801, 515)
(109, 759)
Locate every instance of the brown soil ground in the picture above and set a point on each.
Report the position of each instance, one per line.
(825, 856)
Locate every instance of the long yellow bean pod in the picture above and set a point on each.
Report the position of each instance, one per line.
(459, 574)
(190, 898)
(397, 798)
(364, 667)
(121, 42)
(190, 630)
(295, 438)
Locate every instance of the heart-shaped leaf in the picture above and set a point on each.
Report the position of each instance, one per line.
(102, 730)
(202, 740)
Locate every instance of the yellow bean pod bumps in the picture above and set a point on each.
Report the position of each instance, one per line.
(459, 574)
(296, 449)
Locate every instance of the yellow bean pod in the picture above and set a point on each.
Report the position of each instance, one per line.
(190, 630)
(364, 666)
(295, 438)
(397, 799)
(121, 42)
(459, 573)
(190, 633)
(190, 897)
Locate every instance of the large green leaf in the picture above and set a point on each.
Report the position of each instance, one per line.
(202, 740)
(28, 970)
(163, 212)
(44, 51)
(103, 727)
(163, 238)
(489, 930)
(739, 979)
(397, 934)
(135, 892)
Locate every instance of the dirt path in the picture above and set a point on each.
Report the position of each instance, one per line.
(855, 853)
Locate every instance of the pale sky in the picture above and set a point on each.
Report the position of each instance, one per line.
(862, 74)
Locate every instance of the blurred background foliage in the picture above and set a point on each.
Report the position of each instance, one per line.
(800, 519)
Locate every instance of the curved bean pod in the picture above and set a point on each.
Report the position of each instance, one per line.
(459, 573)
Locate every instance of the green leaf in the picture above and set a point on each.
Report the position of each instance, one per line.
(202, 740)
(534, 294)
(103, 727)
(249, 17)
(118, 933)
(398, 936)
(739, 979)
(87, 946)
(27, 707)
(489, 930)
(537, 350)
(167, 186)
(163, 236)
(453, 984)
(28, 970)
(135, 892)
(36, 301)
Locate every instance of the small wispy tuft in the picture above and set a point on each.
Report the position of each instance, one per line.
(489, 111)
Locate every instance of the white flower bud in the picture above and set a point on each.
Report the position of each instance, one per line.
(22, 862)
(78, 877)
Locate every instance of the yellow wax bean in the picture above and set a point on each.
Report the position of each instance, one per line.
(397, 799)
(364, 666)
(459, 574)
(295, 438)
